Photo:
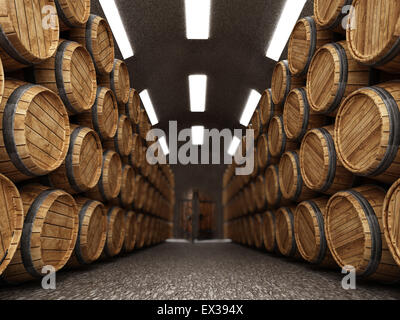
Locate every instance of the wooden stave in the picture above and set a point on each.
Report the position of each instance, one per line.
(80, 256)
(368, 201)
(337, 176)
(334, 22)
(131, 232)
(268, 109)
(132, 108)
(36, 197)
(123, 139)
(115, 219)
(388, 58)
(316, 208)
(16, 168)
(68, 179)
(13, 51)
(286, 213)
(283, 143)
(301, 192)
(94, 117)
(59, 67)
(348, 77)
(113, 81)
(307, 117)
(384, 167)
(67, 18)
(316, 38)
(87, 36)
(16, 211)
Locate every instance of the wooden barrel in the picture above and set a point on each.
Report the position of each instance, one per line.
(72, 13)
(97, 38)
(329, 14)
(35, 131)
(298, 117)
(309, 230)
(135, 157)
(29, 32)
(249, 240)
(269, 231)
(268, 109)
(128, 188)
(255, 124)
(290, 180)
(255, 224)
(71, 74)
(144, 230)
(118, 81)
(12, 219)
(144, 124)
(139, 180)
(150, 234)
(103, 116)
(92, 232)
(259, 191)
(283, 82)
(321, 169)
(264, 156)
(374, 38)
(109, 185)
(248, 198)
(272, 189)
(285, 238)
(367, 132)
(354, 231)
(116, 230)
(332, 76)
(139, 229)
(390, 218)
(49, 233)
(142, 190)
(278, 142)
(132, 108)
(81, 168)
(122, 141)
(131, 231)
(306, 38)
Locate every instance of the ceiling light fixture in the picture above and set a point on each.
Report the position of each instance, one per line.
(198, 90)
(164, 146)
(114, 19)
(148, 105)
(252, 102)
(197, 19)
(233, 147)
(197, 135)
(290, 14)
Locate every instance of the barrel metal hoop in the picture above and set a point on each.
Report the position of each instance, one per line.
(299, 177)
(394, 131)
(8, 129)
(68, 160)
(343, 78)
(332, 160)
(288, 79)
(323, 242)
(101, 186)
(78, 250)
(10, 50)
(27, 233)
(88, 36)
(95, 116)
(59, 60)
(376, 241)
(292, 251)
(4, 257)
(306, 117)
(313, 44)
(62, 15)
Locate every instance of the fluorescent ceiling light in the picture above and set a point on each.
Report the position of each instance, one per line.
(114, 19)
(252, 102)
(198, 89)
(234, 146)
(290, 14)
(148, 105)
(197, 19)
(164, 146)
(197, 135)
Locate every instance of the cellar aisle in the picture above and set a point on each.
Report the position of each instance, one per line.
(200, 271)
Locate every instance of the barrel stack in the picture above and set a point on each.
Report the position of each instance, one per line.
(328, 147)
(73, 139)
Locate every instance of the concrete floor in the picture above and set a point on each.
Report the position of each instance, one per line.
(200, 271)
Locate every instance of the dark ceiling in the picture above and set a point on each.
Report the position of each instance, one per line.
(233, 59)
